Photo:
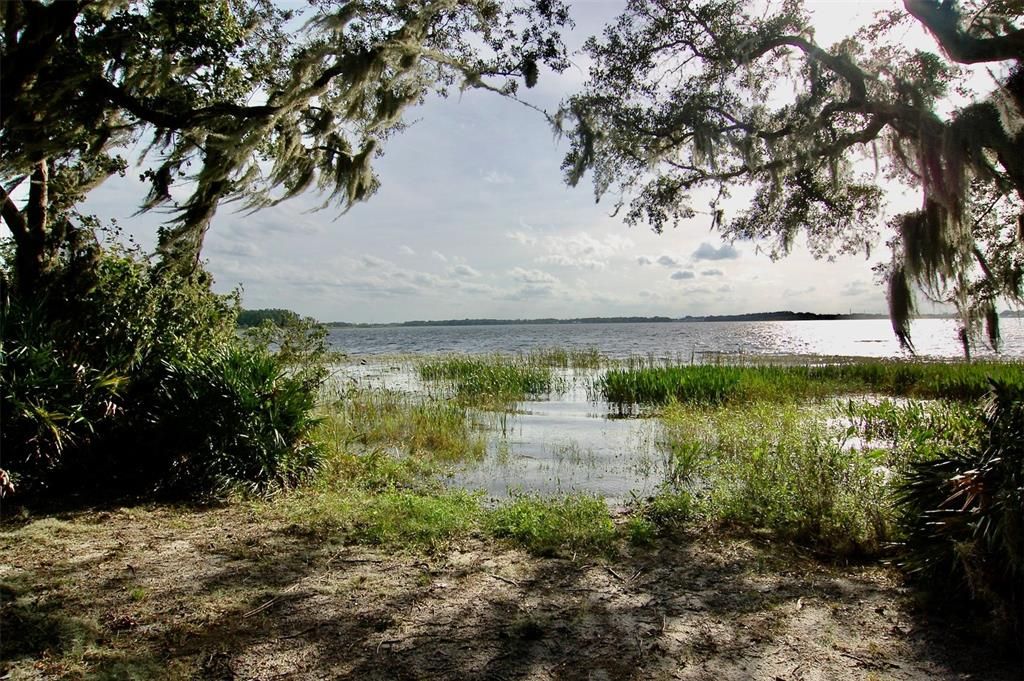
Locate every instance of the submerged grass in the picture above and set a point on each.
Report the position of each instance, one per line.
(438, 429)
(716, 384)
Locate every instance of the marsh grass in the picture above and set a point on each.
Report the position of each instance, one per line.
(489, 380)
(438, 429)
(788, 469)
(716, 384)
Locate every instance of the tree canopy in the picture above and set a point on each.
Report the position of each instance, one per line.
(233, 100)
(689, 96)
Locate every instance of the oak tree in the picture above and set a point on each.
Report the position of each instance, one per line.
(688, 96)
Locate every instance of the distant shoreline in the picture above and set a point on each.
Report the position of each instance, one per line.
(255, 317)
(780, 316)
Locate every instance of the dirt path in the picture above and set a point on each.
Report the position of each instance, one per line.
(164, 593)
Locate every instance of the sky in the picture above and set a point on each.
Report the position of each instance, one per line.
(473, 220)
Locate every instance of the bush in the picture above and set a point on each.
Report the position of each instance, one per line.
(124, 377)
(964, 514)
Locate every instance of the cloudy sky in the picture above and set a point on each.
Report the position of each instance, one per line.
(473, 220)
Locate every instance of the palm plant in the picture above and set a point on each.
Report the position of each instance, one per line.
(964, 512)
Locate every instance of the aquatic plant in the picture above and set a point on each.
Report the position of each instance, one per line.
(491, 379)
(715, 384)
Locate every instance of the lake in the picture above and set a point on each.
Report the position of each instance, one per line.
(567, 442)
(676, 340)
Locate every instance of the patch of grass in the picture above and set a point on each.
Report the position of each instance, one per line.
(438, 429)
(396, 518)
(567, 358)
(716, 384)
(786, 469)
(489, 380)
(560, 526)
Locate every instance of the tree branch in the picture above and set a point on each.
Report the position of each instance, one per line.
(13, 217)
(942, 21)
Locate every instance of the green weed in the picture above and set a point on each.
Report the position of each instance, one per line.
(562, 526)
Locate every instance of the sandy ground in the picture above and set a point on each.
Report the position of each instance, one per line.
(219, 594)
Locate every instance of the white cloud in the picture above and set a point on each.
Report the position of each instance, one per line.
(440, 256)
(464, 271)
(682, 274)
(532, 276)
(714, 272)
(708, 252)
(644, 260)
(669, 261)
(497, 177)
(406, 250)
(522, 237)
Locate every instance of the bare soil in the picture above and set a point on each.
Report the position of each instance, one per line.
(220, 594)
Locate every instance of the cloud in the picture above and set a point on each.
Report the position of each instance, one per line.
(530, 291)
(793, 292)
(714, 272)
(567, 261)
(464, 271)
(683, 274)
(373, 262)
(234, 247)
(497, 177)
(440, 256)
(669, 261)
(532, 276)
(580, 250)
(708, 252)
(522, 237)
(406, 250)
(856, 288)
(644, 260)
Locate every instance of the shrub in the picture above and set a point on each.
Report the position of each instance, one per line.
(963, 514)
(116, 368)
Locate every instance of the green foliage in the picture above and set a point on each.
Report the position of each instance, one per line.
(139, 381)
(790, 471)
(762, 105)
(279, 317)
(235, 416)
(560, 526)
(715, 384)
(437, 429)
(496, 379)
(331, 81)
(963, 513)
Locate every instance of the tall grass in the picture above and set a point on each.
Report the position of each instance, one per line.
(438, 429)
(789, 470)
(715, 384)
(496, 379)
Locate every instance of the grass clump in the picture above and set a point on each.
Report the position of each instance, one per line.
(493, 379)
(567, 358)
(562, 526)
(438, 429)
(716, 384)
(788, 470)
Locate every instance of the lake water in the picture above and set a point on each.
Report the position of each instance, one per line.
(567, 442)
(676, 340)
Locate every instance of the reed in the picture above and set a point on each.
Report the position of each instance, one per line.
(716, 384)
(489, 379)
(441, 430)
